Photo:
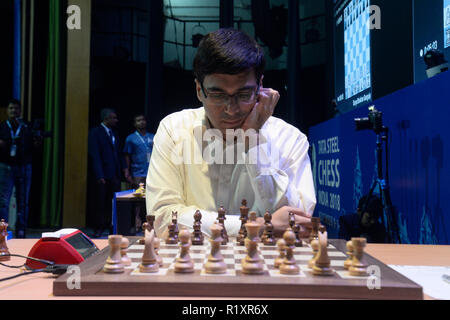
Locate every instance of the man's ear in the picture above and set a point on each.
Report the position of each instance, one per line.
(261, 81)
(198, 90)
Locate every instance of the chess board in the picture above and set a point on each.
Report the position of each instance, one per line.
(357, 47)
(234, 283)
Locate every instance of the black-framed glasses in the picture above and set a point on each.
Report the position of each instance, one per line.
(223, 99)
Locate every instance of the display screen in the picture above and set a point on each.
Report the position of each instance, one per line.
(352, 47)
(431, 32)
(83, 245)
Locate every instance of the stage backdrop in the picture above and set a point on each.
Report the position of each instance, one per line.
(344, 162)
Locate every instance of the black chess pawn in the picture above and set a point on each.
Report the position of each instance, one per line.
(197, 235)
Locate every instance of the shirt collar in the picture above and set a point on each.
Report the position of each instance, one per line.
(108, 130)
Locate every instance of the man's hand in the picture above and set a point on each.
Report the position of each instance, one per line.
(101, 181)
(280, 221)
(265, 105)
(126, 173)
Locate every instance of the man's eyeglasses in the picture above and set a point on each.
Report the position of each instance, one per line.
(223, 99)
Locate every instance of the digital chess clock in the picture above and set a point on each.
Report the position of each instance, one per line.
(66, 247)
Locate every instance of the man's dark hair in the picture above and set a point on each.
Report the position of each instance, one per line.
(105, 113)
(228, 51)
(15, 102)
(137, 115)
(373, 205)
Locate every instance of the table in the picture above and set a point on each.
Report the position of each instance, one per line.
(40, 285)
(123, 212)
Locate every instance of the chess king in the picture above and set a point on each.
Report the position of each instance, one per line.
(256, 156)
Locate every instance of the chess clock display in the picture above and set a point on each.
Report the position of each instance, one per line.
(66, 246)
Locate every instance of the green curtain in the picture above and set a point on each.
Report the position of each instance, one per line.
(53, 159)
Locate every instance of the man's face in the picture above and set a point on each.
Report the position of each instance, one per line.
(13, 111)
(140, 122)
(231, 114)
(112, 120)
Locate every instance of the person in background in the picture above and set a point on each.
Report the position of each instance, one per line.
(137, 152)
(16, 149)
(364, 224)
(107, 164)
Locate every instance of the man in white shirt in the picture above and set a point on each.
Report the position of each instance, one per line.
(230, 149)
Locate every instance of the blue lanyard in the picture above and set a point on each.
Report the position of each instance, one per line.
(14, 135)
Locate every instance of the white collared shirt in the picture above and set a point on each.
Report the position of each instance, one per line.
(183, 178)
(109, 133)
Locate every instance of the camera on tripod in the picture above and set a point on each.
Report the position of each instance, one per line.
(373, 122)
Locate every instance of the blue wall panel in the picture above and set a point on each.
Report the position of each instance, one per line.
(418, 118)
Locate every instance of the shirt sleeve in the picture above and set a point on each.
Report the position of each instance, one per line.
(165, 188)
(281, 178)
(128, 147)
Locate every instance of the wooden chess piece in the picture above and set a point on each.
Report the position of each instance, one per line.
(221, 218)
(147, 227)
(184, 264)
(175, 223)
(291, 220)
(324, 229)
(315, 222)
(244, 217)
(315, 250)
(171, 238)
(348, 262)
(289, 265)
(4, 252)
(298, 241)
(322, 262)
(215, 263)
(144, 228)
(252, 263)
(281, 245)
(359, 264)
(197, 235)
(114, 261)
(126, 261)
(149, 263)
(156, 245)
(267, 237)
